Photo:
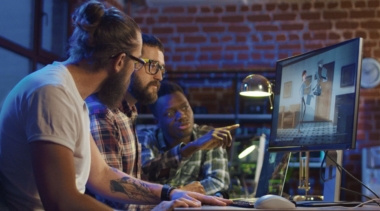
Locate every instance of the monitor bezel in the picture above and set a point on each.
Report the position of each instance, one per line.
(277, 86)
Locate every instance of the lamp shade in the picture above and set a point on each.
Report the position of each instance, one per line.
(255, 86)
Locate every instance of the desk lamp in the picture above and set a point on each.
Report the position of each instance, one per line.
(256, 86)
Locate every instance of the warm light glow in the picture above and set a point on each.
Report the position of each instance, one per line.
(247, 151)
(255, 94)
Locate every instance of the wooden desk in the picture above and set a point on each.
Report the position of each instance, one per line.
(231, 208)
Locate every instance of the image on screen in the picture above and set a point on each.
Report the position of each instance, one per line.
(316, 98)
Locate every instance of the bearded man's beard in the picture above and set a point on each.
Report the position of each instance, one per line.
(113, 89)
(142, 94)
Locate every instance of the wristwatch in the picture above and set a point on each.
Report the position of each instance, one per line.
(165, 192)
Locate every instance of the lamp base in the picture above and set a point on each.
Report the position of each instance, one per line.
(308, 198)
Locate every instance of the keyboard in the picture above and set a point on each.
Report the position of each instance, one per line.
(247, 203)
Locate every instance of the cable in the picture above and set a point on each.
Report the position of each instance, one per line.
(358, 193)
(348, 173)
(366, 202)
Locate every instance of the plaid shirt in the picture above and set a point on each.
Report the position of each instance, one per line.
(115, 135)
(210, 167)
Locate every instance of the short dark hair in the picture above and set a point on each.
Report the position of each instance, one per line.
(101, 32)
(152, 41)
(166, 88)
(303, 72)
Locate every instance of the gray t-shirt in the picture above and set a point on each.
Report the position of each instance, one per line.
(47, 106)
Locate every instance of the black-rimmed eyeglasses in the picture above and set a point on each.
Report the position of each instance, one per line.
(138, 63)
(154, 67)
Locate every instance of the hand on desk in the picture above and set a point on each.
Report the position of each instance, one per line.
(195, 186)
(193, 199)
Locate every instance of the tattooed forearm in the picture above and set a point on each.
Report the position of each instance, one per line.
(134, 189)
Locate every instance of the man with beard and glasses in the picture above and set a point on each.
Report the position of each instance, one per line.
(47, 154)
(181, 153)
(113, 130)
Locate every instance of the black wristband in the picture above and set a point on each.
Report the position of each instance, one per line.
(165, 192)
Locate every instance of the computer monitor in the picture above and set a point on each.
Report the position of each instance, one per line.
(316, 99)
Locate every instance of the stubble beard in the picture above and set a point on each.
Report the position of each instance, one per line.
(141, 93)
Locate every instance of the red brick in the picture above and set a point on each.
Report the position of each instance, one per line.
(374, 34)
(359, 4)
(227, 38)
(307, 36)
(149, 20)
(313, 46)
(283, 6)
(176, 58)
(138, 20)
(228, 56)
(213, 29)
(153, 10)
(231, 8)
(306, 6)
(293, 37)
(162, 30)
(254, 38)
(186, 19)
(258, 18)
(320, 36)
(370, 24)
(291, 27)
(332, 5)
(264, 47)
(362, 34)
(283, 55)
(346, 4)
(192, 10)
(239, 29)
(244, 8)
(241, 39)
(256, 7)
(185, 67)
(237, 48)
(243, 56)
(295, 7)
(319, 5)
(256, 56)
(335, 15)
(363, 14)
(207, 19)
(218, 10)
(269, 56)
(320, 25)
(266, 28)
(373, 136)
(194, 39)
(346, 25)
(163, 19)
(334, 36)
(185, 49)
(281, 37)
(173, 10)
(285, 17)
(203, 57)
(270, 6)
(373, 3)
(310, 15)
(189, 58)
(233, 19)
(205, 9)
(216, 57)
(176, 39)
(211, 48)
(289, 46)
(187, 29)
(267, 37)
(214, 39)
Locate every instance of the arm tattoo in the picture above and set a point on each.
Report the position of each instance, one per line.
(134, 189)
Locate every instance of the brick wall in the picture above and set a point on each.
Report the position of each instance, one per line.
(252, 37)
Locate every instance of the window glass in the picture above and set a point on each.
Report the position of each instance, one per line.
(20, 29)
(13, 68)
(54, 26)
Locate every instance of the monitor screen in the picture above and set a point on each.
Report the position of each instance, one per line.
(316, 97)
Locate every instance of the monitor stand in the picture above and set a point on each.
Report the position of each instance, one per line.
(331, 189)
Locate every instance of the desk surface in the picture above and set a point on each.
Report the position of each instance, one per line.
(332, 208)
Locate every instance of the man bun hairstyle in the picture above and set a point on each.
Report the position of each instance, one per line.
(101, 32)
